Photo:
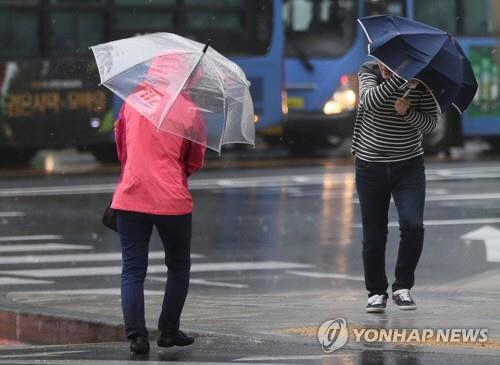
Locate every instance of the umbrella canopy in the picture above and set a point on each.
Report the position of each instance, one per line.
(161, 73)
(414, 50)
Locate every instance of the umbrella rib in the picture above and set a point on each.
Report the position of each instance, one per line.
(364, 30)
(221, 82)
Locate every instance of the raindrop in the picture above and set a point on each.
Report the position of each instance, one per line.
(494, 51)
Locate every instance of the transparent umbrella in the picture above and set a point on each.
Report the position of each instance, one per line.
(154, 72)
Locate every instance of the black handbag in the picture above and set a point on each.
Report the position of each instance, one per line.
(109, 218)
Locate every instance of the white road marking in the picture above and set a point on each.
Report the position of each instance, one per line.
(58, 190)
(313, 274)
(289, 358)
(154, 269)
(446, 222)
(102, 291)
(12, 214)
(478, 196)
(85, 257)
(19, 281)
(35, 237)
(457, 197)
(217, 283)
(42, 247)
(490, 236)
(206, 282)
(467, 173)
(38, 354)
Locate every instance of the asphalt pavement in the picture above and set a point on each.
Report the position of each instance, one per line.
(276, 253)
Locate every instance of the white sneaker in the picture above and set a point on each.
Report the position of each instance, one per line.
(403, 300)
(376, 303)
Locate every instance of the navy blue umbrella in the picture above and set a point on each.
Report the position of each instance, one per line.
(415, 50)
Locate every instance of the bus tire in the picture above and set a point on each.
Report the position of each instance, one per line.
(104, 153)
(13, 157)
(447, 133)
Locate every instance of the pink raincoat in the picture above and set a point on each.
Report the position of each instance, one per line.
(155, 164)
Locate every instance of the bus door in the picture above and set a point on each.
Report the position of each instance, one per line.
(323, 46)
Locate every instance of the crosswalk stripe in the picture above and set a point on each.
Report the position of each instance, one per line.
(20, 281)
(205, 282)
(36, 237)
(30, 247)
(445, 222)
(115, 270)
(27, 296)
(12, 214)
(319, 275)
(81, 257)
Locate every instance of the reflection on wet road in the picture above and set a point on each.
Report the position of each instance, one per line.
(272, 220)
(261, 237)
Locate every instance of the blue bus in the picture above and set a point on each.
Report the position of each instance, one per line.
(325, 47)
(50, 96)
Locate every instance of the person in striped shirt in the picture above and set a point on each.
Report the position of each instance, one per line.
(393, 115)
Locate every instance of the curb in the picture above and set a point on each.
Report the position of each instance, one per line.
(44, 326)
(49, 330)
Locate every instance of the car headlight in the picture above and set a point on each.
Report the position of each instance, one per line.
(341, 101)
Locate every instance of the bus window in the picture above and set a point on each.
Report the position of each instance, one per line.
(319, 28)
(74, 28)
(19, 28)
(463, 18)
(482, 18)
(440, 14)
(379, 7)
(236, 27)
(215, 14)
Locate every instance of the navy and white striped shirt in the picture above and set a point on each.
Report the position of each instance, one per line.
(382, 135)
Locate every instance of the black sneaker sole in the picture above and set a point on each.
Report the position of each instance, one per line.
(375, 310)
(407, 307)
(172, 343)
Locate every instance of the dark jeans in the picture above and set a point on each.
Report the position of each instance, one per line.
(135, 232)
(375, 183)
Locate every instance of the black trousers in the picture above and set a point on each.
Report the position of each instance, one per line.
(376, 182)
(135, 232)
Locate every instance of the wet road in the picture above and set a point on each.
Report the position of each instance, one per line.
(255, 231)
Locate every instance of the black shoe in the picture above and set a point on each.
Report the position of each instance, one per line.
(403, 300)
(376, 303)
(139, 345)
(178, 338)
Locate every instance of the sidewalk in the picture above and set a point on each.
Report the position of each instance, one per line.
(290, 317)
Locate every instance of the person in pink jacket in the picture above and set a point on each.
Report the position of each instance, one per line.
(153, 191)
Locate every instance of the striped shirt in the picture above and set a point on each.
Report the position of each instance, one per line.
(380, 133)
